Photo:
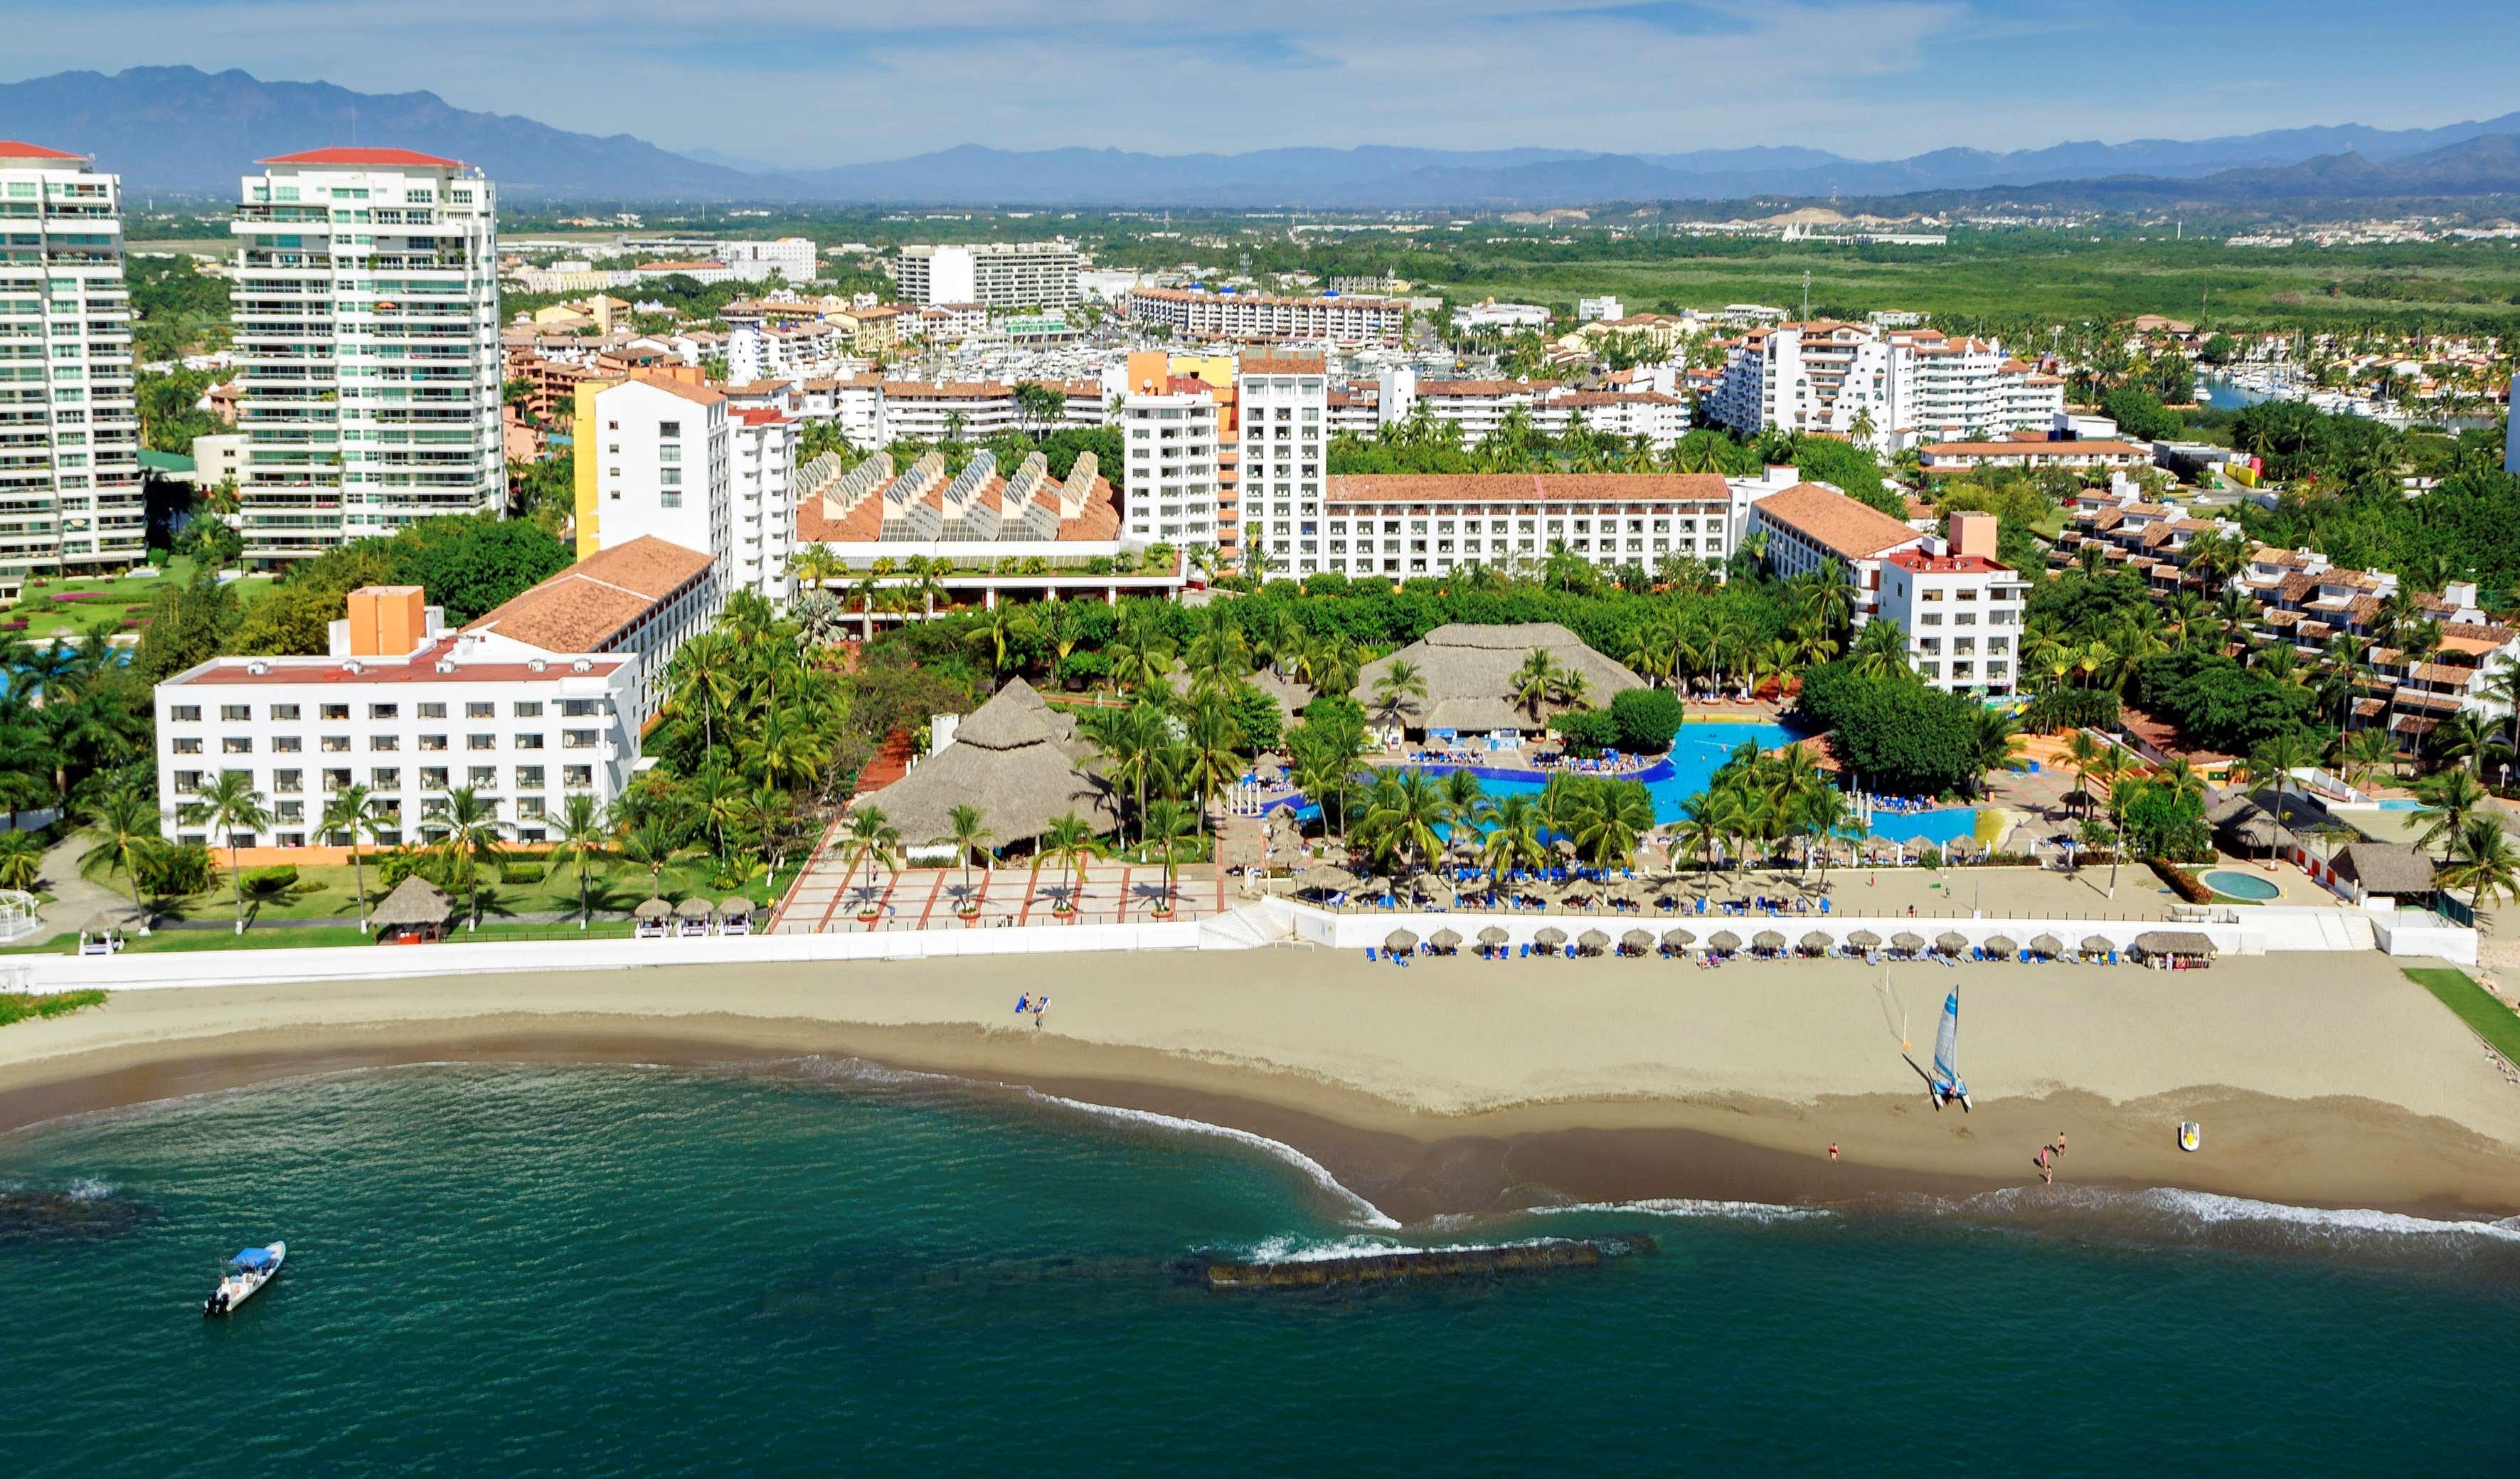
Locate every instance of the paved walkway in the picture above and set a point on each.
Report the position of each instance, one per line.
(834, 890)
(76, 897)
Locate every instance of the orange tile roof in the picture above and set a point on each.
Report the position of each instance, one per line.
(589, 605)
(1827, 518)
(1526, 487)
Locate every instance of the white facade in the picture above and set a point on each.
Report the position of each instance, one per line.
(218, 457)
(992, 274)
(791, 257)
(1402, 527)
(70, 445)
(764, 512)
(1198, 315)
(1598, 310)
(1495, 315)
(1171, 437)
(1283, 408)
(523, 732)
(366, 302)
(663, 466)
(1961, 612)
(1889, 390)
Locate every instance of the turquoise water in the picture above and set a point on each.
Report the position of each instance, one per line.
(1698, 751)
(2240, 885)
(611, 1270)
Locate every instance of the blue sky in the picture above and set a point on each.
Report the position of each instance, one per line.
(804, 82)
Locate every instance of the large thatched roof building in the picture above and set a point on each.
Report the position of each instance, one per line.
(1014, 759)
(1470, 676)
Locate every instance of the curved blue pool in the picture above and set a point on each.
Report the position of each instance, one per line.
(2240, 885)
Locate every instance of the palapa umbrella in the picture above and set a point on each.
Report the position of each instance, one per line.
(2095, 945)
(1400, 940)
(1818, 943)
(1768, 939)
(1445, 939)
(693, 908)
(1678, 939)
(2048, 945)
(1725, 941)
(653, 908)
(1907, 941)
(2002, 945)
(1493, 936)
(1550, 937)
(1917, 846)
(1864, 940)
(1951, 942)
(1636, 942)
(1592, 940)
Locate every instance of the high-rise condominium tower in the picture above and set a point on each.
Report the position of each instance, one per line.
(69, 472)
(366, 302)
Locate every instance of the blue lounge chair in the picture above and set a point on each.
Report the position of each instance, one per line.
(1369, 953)
(1824, 906)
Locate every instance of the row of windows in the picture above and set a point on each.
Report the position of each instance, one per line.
(435, 778)
(290, 713)
(335, 744)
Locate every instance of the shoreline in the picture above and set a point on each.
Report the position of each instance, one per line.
(1540, 1126)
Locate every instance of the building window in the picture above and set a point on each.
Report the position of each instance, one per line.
(432, 741)
(529, 778)
(482, 777)
(480, 742)
(532, 742)
(288, 744)
(188, 745)
(386, 778)
(333, 710)
(384, 710)
(432, 712)
(284, 713)
(282, 781)
(529, 708)
(385, 742)
(335, 744)
(480, 710)
(432, 778)
(236, 714)
(185, 714)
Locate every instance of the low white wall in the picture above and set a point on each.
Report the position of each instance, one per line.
(355, 962)
(2404, 935)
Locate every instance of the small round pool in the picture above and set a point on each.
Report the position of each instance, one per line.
(2240, 885)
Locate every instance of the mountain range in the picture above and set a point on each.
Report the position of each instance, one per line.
(178, 129)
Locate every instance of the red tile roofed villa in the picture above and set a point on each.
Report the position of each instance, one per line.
(1809, 525)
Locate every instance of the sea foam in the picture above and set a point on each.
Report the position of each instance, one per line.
(1363, 1212)
(1692, 1206)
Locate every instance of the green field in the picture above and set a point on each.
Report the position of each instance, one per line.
(2474, 1005)
(2008, 278)
(329, 893)
(117, 600)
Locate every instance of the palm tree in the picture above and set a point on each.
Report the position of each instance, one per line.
(2275, 759)
(578, 836)
(1995, 742)
(473, 833)
(348, 815)
(22, 861)
(966, 831)
(1067, 841)
(2366, 751)
(2483, 860)
(1881, 650)
(815, 566)
(1610, 819)
(2081, 752)
(1510, 835)
(1400, 682)
(652, 843)
(126, 825)
(996, 631)
(1167, 826)
(874, 841)
(1534, 681)
(230, 804)
(1215, 745)
(1402, 816)
(2451, 798)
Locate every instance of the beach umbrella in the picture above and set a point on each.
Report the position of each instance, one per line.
(1592, 940)
(653, 908)
(2095, 945)
(1906, 941)
(1493, 936)
(1951, 942)
(1724, 940)
(1445, 939)
(1917, 846)
(2002, 945)
(1550, 938)
(1637, 941)
(2048, 945)
(1768, 939)
(1864, 940)
(1678, 939)
(1818, 943)
(1400, 940)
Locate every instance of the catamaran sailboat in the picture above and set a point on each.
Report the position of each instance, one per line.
(245, 1273)
(1946, 1084)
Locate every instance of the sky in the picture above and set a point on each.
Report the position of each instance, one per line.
(800, 83)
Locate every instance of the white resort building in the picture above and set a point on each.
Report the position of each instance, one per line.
(1196, 314)
(366, 302)
(1402, 525)
(70, 469)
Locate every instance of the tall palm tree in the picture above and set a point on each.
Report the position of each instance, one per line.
(1611, 818)
(472, 834)
(230, 804)
(966, 831)
(1510, 835)
(578, 836)
(874, 841)
(2275, 759)
(2483, 860)
(653, 842)
(1067, 841)
(1403, 815)
(1215, 745)
(1400, 683)
(1534, 682)
(126, 825)
(1167, 826)
(348, 815)
(2451, 798)
(997, 632)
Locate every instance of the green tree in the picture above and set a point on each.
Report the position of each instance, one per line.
(126, 827)
(472, 832)
(966, 831)
(231, 805)
(348, 815)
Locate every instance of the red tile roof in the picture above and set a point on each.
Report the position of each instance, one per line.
(19, 149)
(235, 672)
(364, 157)
(590, 603)
(1852, 530)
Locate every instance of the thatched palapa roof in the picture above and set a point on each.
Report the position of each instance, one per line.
(1470, 669)
(1006, 759)
(413, 901)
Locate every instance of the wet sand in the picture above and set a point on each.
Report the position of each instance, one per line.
(1463, 1086)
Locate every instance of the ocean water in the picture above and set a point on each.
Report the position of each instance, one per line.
(818, 1268)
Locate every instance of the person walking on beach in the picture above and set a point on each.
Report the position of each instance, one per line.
(2060, 1142)
(1024, 1003)
(1832, 1151)
(1038, 1007)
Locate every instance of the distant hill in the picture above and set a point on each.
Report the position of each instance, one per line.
(181, 129)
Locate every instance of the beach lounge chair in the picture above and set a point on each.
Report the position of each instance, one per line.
(1369, 953)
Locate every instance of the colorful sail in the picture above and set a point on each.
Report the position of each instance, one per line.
(1947, 1045)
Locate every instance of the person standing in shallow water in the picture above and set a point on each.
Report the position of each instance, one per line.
(1039, 1007)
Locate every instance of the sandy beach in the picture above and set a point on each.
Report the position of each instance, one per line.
(1462, 1085)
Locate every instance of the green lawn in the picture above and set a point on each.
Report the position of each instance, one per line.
(329, 893)
(119, 599)
(2474, 1005)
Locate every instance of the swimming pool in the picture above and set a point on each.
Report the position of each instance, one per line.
(2240, 885)
(1697, 752)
